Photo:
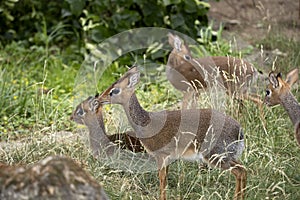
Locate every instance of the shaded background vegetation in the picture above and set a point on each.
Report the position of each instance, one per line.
(67, 22)
(43, 45)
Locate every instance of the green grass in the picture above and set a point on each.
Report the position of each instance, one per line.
(35, 90)
(289, 47)
(31, 119)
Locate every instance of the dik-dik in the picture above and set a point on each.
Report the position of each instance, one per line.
(189, 74)
(197, 135)
(279, 92)
(89, 113)
(55, 177)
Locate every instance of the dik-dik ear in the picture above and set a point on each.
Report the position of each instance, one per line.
(133, 79)
(292, 77)
(175, 42)
(274, 80)
(180, 46)
(94, 105)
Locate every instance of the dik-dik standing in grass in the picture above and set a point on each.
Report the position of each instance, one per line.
(189, 74)
(196, 135)
(279, 92)
(89, 113)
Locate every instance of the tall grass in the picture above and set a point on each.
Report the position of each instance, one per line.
(35, 90)
(43, 104)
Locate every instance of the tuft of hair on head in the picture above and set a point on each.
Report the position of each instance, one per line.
(279, 75)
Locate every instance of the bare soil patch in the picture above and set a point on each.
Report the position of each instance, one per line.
(254, 19)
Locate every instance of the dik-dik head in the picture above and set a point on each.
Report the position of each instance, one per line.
(277, 87)
(86, 110)
(121, 91)
(180, 53)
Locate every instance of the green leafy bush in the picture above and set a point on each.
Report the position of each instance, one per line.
(32, 21)
(104, 18)
(72, 21)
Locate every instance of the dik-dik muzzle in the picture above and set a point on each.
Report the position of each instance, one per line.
(104, 97)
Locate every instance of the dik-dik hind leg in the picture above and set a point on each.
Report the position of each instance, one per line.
(236, 168)
(240, 173)
(162, 173)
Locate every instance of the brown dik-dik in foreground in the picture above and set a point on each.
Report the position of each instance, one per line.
(54, 177)
(89, 113)
(279, 92)
(196, 135)
(186, 73)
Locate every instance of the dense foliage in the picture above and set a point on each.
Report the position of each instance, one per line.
(75, 21)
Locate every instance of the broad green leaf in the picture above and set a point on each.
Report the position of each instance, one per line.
(169, 2)
(76, 6)
(177, 20)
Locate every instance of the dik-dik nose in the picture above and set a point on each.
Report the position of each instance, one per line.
(104, 98)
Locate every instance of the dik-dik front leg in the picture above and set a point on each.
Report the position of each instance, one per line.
(162, 174)
(189, 100)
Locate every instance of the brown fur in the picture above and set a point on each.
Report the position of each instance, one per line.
(93, 119)
(169, 135)
(236, 74)
(278, 92)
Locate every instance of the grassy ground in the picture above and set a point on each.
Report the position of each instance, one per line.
(37, 100)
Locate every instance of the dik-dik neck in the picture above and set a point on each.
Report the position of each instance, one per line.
(292, 106)
(136, 114)
(174, 59)
(99, 141)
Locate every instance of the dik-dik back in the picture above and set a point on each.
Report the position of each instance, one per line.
(232, 74)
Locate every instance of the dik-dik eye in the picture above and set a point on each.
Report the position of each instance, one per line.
(114, 91)
(80, 113)
(187, 57)
(268, 93)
